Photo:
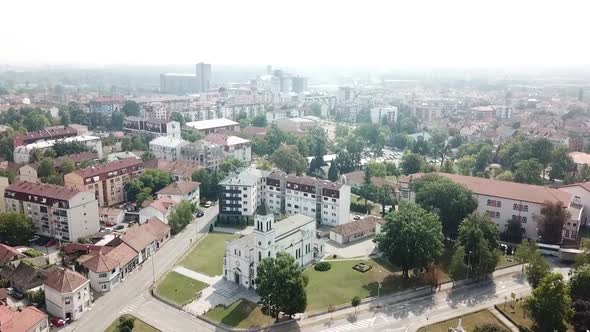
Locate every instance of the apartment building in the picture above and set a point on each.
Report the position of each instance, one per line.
(22, 154)
(206, 154)
(504, 201)
(106, 180)
(206, 127)
(152, 127)
(326, 201)
(240, 193)
(167, 147)
(63, 213)
(67, 294)
(49, 133)
(233, 146)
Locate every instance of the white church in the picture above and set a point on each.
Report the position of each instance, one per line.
(295, 235)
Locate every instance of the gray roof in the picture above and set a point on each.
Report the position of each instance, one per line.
(291, 223)
(244, 177)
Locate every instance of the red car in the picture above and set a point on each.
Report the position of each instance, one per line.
(50, 243)
(57, 322)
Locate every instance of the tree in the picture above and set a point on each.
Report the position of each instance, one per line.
(505, 176)
(411, 163)
(483, 158)
(550, 223)
(333, 172)
(259, 121)
(542, 149)
(465, 165)
(383, 195)
(580, 283)
(354, 302)
(180, 216)
(457, 268)
(289, 160)
(117, 120)
(561, 164)
(144, 195)
(537, 269)
(15, 228)
(451, 201)
(514, 231)
(147, 156)
(130, 108)
(45, 168)
(178, 117)
(68, 166)
(263, 164)
(448, 167)
(125, 324)
(490, 327)
(280, 285)
(528, 171)
(524, 253)
(230, 165)
(479, 236)
(581, 319)
(550, 304)
(411, 238)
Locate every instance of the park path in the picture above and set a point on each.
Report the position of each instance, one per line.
(196, 275)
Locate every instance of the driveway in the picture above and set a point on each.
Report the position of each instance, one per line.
(362, 248)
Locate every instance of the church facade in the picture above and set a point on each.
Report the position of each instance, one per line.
(295, 235)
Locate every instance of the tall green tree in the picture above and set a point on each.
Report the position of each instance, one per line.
(333, 172)
(411, 163)
(180, 216)
(528, 171)
(15, 228)
(550, 223)
(479, 236)
(451, 201)
(280, 285)
(537, 269)
(131, 108)
(550, 305)
(259, 121)
(561, 164)
(465, 165)
(289, 160)
(45, 168)
(580, 283)
(542, 149)
(117, 120)
(178, 117)
(411, 238)
(458, 268)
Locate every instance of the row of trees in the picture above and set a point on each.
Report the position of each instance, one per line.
(144, 187)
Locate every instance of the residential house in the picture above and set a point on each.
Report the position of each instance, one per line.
(67, 294)
(26, 277)
(181, 191)
(49, 133)
(233, 146)
(9, 254)
(180, 169)
(28, 172)
(127, 257)
(355, 230)
(160, 208)
(111, 216)
(27, 319)
(103, 272)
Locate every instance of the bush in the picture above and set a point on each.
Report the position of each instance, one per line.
(357, 207)
(322, 266)
(126, 324)
(33, 253)
(305, 279)
(37, 296)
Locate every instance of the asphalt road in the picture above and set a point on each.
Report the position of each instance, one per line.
(133, 296)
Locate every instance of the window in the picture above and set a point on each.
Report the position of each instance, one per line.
(289, 205)
(326, 206)
(515, 206)
(498, 215)
(67, 300)
(312, 210)
(102, 275)
(104, 287)
(325, 198)
(334, 200)
(526, 208)
(498, 203)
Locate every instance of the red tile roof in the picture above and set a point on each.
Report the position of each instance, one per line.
(179, 188)
(137, 237)
(503, 189)
(19, 321)
(163, 204)
(156, 227)
(8, 253)
(42, 190)
(65, 280)
(122, 253)
(104, 169)
(365, 225)
(101, 263)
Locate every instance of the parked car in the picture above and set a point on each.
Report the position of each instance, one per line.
(119, 227)
(57, 322)
(208, 204)
(200, 214)
(51, 243)
(109, 224)
(357, 217)
(34, 238)
(15, 293)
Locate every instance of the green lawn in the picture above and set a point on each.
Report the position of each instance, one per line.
(207, 256)
(341, 283)
(469, 322)
(139, 325)
(179, 288)
(241, 314)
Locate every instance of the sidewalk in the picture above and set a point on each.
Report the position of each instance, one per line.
(196, 275)
(372, 303)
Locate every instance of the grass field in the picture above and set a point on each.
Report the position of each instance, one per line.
(341, 283)
(178, 288)
(469, 322)
(207, 256)
(139, 325)
(241, 314)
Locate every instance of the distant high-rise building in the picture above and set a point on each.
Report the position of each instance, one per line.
(204, 76)
(179, 84)
(269, 70)
(299, 84)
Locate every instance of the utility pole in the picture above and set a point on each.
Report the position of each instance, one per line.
(468, 262)
(153, 268)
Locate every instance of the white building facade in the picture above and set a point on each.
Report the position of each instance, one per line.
(167, 147)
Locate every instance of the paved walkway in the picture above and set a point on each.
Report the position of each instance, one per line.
(229, 230)
(196, 275)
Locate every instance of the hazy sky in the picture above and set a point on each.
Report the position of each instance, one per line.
(301, 32)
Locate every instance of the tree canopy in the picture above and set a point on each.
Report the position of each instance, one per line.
(479, 236)
(550, 304)
(411, 238)
(289, 160)
(16, 228)
(180, 216)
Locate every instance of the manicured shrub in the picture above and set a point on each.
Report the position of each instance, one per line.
(322, 266)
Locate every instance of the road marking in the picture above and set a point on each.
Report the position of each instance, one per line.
(353, 326)
(133, 304)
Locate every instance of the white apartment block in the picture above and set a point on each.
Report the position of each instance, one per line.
(22, 154)
(241, 193)
(379, 114)
(504, 201)
(167, 147)
(65, 214)
(233, 146)
(326, 201)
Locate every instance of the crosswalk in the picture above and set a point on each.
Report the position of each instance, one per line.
(352, 326)
(133, 304)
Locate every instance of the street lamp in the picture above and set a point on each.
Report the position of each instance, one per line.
(468, 262)
(378, 288)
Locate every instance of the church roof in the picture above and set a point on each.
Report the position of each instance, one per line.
(263, 210)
